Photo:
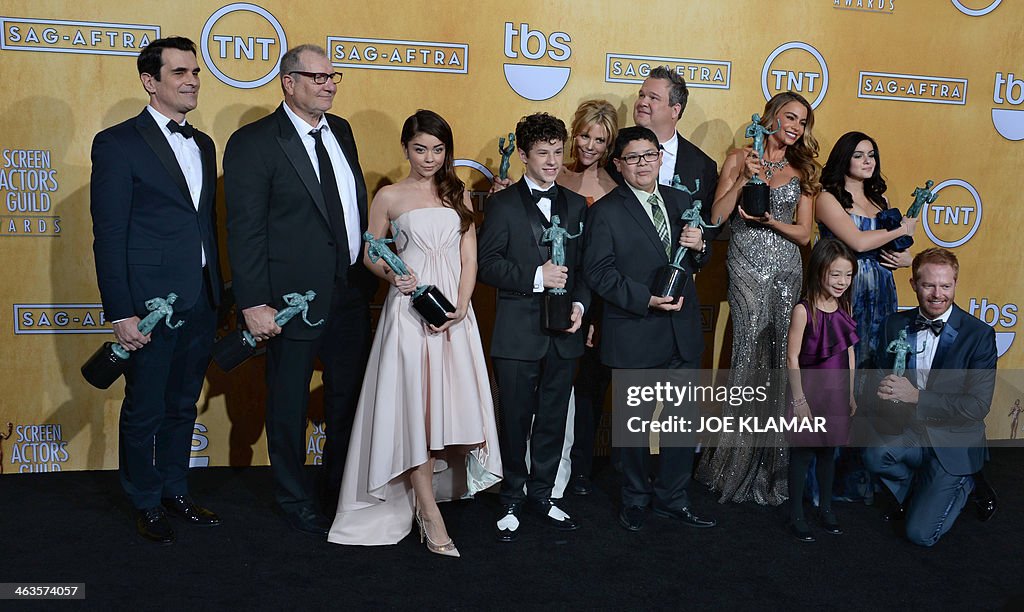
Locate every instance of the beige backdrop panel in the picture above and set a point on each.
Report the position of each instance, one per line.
(924, 77)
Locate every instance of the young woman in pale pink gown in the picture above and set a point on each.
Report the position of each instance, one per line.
(424, 428)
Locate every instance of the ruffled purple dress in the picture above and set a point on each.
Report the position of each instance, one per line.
(825, 377)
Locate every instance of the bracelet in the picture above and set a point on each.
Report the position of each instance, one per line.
(799, 402)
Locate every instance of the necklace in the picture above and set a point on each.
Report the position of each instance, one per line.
(771, 167)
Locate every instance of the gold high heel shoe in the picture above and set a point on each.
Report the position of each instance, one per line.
(447, 549)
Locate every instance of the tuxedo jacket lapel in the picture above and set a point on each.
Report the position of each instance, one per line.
(348, 147)
(636, 211)
(293, 149)
(949, 333)
(208, 193)
(535, 217)
(154, 137)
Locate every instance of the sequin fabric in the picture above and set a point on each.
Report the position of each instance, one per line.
(765, 274)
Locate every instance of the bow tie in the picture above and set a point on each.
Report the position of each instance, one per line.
(185, 130)
(550, 194)
(923, 323)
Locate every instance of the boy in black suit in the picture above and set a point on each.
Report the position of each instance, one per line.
(631, 234)
(534, 367)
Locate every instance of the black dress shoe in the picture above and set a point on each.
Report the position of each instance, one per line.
(542, 508)
(183, 506)
(984, 498)
(985, 508)
(580, 485)
(892, 509)
(798, 529)
(829, 523)
(153, 525)
(507, 534)
(308, 520)
(632, 517)
(684, 516)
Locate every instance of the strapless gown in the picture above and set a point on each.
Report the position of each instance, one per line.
(422, 394)
(765, 274)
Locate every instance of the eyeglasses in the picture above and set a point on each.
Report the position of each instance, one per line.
(634, 158)
(319, 77)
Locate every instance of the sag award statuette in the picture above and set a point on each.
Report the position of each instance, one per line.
(233, 349)
(427, 300)
(506, 154)
(557, 301)
(110, 361)
(755, 194)
(891, 218)
(671, 280)
(897, 416)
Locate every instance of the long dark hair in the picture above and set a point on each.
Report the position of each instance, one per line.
(801, 154)
(824, 253)
(450, 189)
(833, 177)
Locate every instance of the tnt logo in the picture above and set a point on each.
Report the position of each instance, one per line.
(984, 6)
(798, 67)
(993, 314)
(955, 217)
(242, 45)
(1008, 90)
(470, 179)
(533, 81)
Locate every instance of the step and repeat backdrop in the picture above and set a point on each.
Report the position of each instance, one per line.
(938, 83)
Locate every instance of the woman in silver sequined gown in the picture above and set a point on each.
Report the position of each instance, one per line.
(765, 275)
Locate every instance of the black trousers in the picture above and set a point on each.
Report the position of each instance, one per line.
(591, 385)
(665, 480)
(158, 414)
(342, 348)
(534, 398)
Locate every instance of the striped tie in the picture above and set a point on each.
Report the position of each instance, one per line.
(660, 224)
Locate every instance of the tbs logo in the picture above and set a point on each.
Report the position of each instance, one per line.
(1008, 90)
(993, 314)
(533, 81)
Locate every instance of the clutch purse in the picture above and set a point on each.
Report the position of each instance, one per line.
(890, 219)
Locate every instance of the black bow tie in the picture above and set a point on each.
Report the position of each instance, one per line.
(923, 323)
(185, 130)
(550, 194)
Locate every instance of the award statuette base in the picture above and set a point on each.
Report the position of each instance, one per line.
(755, 198)
(233, 349)
(557, 310)
(106, 365)
(670, 282)
(431, 304)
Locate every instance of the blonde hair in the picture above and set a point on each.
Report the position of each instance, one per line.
(594, 112)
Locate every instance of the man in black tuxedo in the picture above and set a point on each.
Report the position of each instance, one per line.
(927, 462)
(296, 213)
(154, 181)
(659, 106)
(534, 366)
(631, 234)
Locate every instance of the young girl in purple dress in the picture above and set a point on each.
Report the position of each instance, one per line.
(820, 358)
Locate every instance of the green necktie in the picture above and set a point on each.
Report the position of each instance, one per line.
(659, 223)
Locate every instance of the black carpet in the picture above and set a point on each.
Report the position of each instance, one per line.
(77, 527)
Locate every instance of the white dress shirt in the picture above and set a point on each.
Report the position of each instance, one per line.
(190, 160)
(670, 149)
(927, 343)
(342, 174)
(544, 205)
